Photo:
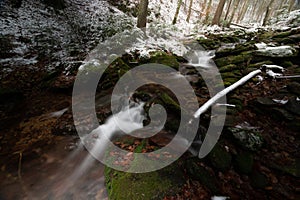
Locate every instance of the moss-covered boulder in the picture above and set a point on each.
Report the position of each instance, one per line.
(163, 58)
(152, 185)
(242, 58)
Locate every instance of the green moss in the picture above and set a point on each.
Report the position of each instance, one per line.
(163, 58)
(152, 185)
(242, 58)
(209, 43)
(286, 64)
(228, 68)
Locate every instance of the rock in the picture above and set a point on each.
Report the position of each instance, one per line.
(228, 68)
(294, 87)
(163, 58)
(151, 185)
(220, 158)
(293, 106)
(200, 173)
(248, 137)
(281, 114)
(242, 58)
(244, 162)
(277, 52)
(265, 101)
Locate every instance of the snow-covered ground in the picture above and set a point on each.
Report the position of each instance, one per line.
(37, 31)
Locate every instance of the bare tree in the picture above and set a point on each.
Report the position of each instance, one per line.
(267, 12)
(243, 11)
(292, 4)
(142, 14)
(202, 7)
(190, 11)
(177, 11)
(219, 11)
(228, 9)
(207, 11)
(236, 5)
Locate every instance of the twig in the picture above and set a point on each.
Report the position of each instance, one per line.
(222, 93)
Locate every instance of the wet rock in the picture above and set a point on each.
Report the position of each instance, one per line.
(294, 87)
(244, 162)
(152, 185)
(220, 158)
(209, 44)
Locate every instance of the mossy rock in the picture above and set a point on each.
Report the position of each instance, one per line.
(209, 44)
(206, 177)
(286, 64)
(259, 64)
(152, 185)
(242, 58)
(243, 162)
(220, 158)
(228, 68)
(163, 58)
(236, 51)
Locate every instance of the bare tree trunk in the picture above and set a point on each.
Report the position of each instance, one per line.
(142, 14)
(207, 11)
(267, 12)
(234, 10)
(190, 11)
(243, 10)
(177, 11)
(202, 9)
(219, 11)
(228, 9)
(292, 3)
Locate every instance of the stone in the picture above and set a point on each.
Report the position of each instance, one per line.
(151, 185)
(277, 52)
(220, 158)
(293, 106)
(294, 87)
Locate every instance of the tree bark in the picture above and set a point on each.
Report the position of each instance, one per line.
(142, 14)
(219, 11)
(190, 11)
(207, 11)
(227, 10)
(236, 5)
(267, 13)
(292, 3)
(243, 11)
(177, 12)
(202, 9)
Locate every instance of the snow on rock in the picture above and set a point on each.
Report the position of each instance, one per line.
(218, 198)
(279, 51)
(272, 74)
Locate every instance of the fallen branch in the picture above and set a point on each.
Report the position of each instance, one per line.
(295, 76)
(222, 93)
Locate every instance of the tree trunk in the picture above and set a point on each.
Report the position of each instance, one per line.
(243, 11)
(202, 9)
(292, 3)
(219, 11)
(267, 13)
(228, 10)
(190, 11)
(177, 11)
(142, 14)
(207, 11)
(236, 5)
